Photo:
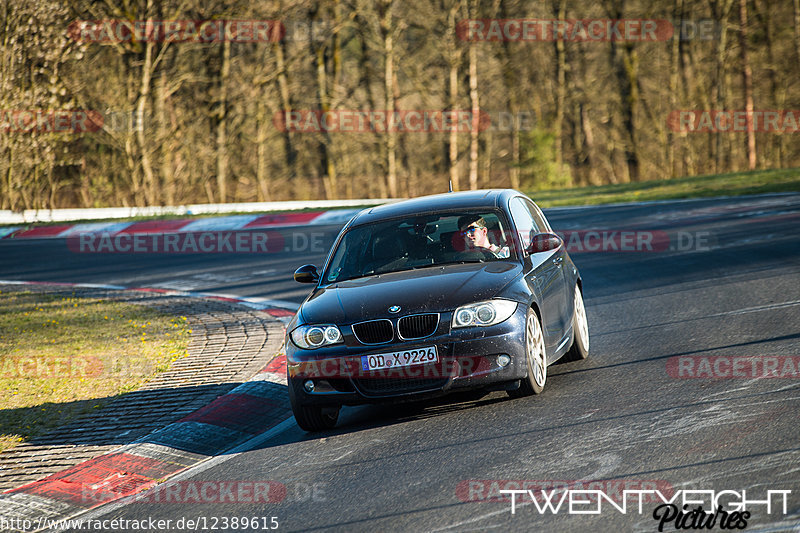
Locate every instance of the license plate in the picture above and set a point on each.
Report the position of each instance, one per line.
(417, 356)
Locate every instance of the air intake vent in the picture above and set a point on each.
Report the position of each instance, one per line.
(373, 331)
(393, 386)
(418, 326)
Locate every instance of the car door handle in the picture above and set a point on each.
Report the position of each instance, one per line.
(558, 260)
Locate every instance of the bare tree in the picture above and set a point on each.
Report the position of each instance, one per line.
(625, 64)
(747, 80)
(796, 12)
(387, 30)
(453, 57)
(559, 11)
(193, 120)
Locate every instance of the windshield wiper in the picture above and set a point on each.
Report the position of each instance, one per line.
(460, 262)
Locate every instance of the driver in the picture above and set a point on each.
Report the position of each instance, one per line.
(476, 236)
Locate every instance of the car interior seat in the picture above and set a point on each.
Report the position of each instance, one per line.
(389, 251)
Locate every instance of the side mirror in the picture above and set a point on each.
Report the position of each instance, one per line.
(306, 274)
(544, 242)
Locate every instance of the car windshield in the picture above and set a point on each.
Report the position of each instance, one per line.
(420, 242)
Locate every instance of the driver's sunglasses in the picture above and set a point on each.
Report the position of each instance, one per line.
(470, 229)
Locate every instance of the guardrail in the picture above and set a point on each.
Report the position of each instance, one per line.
(66, 215)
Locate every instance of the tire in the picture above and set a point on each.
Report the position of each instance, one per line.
(535, 358)
(311, 417)
(580, 331)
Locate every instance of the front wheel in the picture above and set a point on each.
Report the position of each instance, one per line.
(311, 417)
(580, 331)
(535, 358)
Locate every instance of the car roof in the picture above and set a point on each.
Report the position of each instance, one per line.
(484, 198)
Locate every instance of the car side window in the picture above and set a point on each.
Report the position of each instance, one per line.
(523, 220)
(538, 216)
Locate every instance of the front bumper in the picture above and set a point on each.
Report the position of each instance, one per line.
(468, 359)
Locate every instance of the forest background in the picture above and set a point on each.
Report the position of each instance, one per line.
(183, 120)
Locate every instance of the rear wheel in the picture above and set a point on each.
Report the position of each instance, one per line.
(580, 331)
(311, 417)
(535, 358)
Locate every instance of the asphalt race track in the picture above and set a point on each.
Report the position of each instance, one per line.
(693, 383)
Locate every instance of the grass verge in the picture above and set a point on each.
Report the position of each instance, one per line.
(732, 184)
(64, 356)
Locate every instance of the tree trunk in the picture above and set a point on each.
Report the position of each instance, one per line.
(475, 109)
(325, 146)
(721, 10)
(8, 200)
(144, 94)
(747, 78)
(588, 143)
(796, 9)
(453, 55)
(453, 134)
(674, 60)
(167, 175)
(85, 192)
(51, 186)
(366, 77)
(627, 74)
(626, 68)
(222, 123)
(262, 132)
(282, 80)
(689, 82)
(511, 84)
(387, 31)
(773, 154)
(486, 172)
(559, 11)
(127, 72)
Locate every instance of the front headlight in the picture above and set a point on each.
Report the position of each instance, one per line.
(314, 336)
(486, 313)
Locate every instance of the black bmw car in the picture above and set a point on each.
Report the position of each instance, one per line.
(431, 295)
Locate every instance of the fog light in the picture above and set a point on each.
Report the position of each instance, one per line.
(308, 386)
(503, 360)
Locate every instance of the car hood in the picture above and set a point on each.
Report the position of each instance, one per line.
(432, 289)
